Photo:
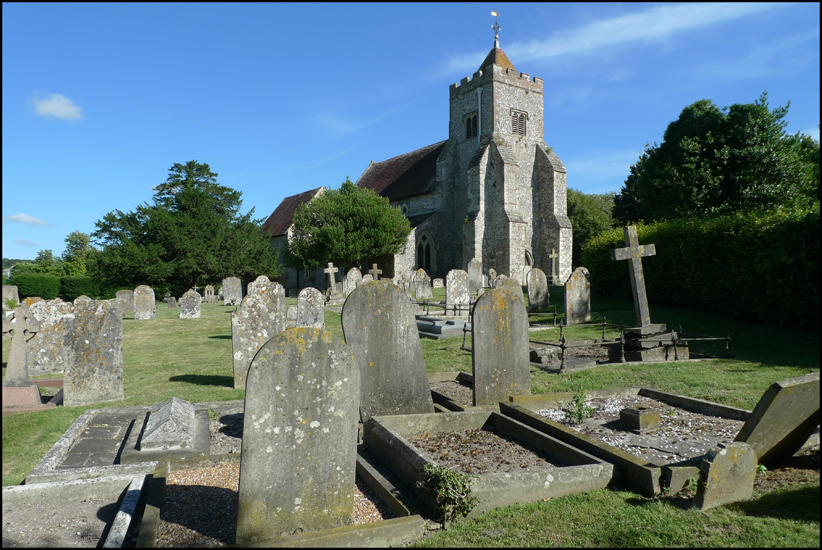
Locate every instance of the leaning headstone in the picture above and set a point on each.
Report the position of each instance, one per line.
(728, 474)
(353, 279)
(144, 306)
(438, 283)
(380, 328)
(578, 297)
(127, 298)
(232, 291)
(47, 351)
(190, 305)
(422, 286)
(258, 319)
(208, 295)
(172, 302)
(169, 427)
(786, 415)
(10, 293)
(474, 275)
(95, 370)
(299, 450)
(456, 292)
(310, 310)
(537, 290)
(500, 346)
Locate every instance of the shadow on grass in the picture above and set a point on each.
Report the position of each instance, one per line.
(800, 504)
(204, 380)
(222, 337)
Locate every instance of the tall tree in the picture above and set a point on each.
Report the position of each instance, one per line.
(192, 234)
(590, 216)
(714, 161)
(347, 226)
(77, 253)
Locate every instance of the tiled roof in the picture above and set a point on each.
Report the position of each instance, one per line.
(497, 57)
(405, 175)
(281, 219)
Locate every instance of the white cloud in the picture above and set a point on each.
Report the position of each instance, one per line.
(25, 219)
(24, 242)
(656, 24)
(57, 106)
(337, 127)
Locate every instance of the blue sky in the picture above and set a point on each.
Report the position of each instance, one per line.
(100, 100)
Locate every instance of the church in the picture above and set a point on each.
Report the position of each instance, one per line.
(493, 190)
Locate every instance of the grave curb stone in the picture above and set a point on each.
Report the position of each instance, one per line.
(728, 475)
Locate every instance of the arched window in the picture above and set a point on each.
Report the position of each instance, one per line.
(471, 127)
(425, 252)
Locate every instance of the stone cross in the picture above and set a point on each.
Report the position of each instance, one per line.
(194, 288)
(554, 274)
(25, 328)
(375, 272)
(331, 270)
(635, 252)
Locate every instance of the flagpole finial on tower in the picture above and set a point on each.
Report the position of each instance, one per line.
(496, 28)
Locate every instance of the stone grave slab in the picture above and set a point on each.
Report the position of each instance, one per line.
(474, 275)
(537, 290)
(578, 297)
(169, 427)
(47, 351)
(353, 279)
(232, 291)
(422, 286)
(300, 410)
(259, 318)
(379, 326)
(144, 305)
(127, 298)
(728, 474)
(10, 293)
(260, 280)
(441, 327)
(457, 297)
(191, 305)
(310, 310)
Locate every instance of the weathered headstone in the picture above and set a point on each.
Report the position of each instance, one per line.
(336, 295)
(474, 275)
(47, 351)
(353, 279)
(31, 300)
(166, 296)
(190, 305)
(172, 302)
(437, 283)
(783, 419)
(500, 346)
(554, 258)
(523, 281)
(232, 291)
(578, 297)
(25, 327)
(299, 450)
(82, 298)
(144, 306)
(380, 329)
(169, 427)
(728, 474)
(127, 297)
(634, 252)
(368, 278)
(258, 319)
(208, 295)
(492, 274)
(291, 316)
(456, 292)
(310, 310)
(261, 280)
(374, 272)
(537, 290)
(422, 286)
(10, 293)
(95, 369)
(504, 281)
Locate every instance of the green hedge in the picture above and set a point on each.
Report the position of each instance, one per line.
(36, 284)
(78, 285)
(759, 268)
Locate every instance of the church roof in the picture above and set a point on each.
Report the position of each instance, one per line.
(405, 175)
(281, 219)
(497, 57)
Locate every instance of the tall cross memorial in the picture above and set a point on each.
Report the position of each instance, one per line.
(375, 272)
(634, 252)
(25, 327)
(331, 270)
(554, 275)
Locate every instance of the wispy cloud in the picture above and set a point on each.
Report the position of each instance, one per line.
(324, 161)
(25, 219)
(655, 24)
(57, 106)
(337, 126)
(24, 242)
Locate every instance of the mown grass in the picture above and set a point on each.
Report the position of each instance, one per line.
(191, 359)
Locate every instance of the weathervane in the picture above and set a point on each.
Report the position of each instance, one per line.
(495, 26)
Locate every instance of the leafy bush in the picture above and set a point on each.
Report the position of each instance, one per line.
(36, 284)
(73, 286)
(761, 267)
(452, 492)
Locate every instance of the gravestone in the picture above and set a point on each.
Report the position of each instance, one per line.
(492, 274)
(503, 281)
(208, 295)
(437, 283)
(258, 319)
(299, 449)
(374, 272)
(783, 419)
(95, 368)
(634, 252)
(353, 279)
(474, 275)
(127, 298)
(82, 298)
(367, 279)
(310, 310)
(500, 346)
(537, 290)
(335, 296)
(47, 351)
(380, 329)
(261, 280)
(456, 292)
(523, 281)
(10, 293)
(169, 427)
(31, 300)
(728, 474)
(554, 258)
(422, 290)
(144, 306)
(232, 291)
(18, 390)
(172, 302)
(578, 297)
(190, 305)
(166, 296)
(291, 316)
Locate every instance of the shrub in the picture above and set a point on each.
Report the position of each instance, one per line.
(36, 284)
(77, 285)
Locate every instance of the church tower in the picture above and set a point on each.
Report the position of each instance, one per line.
(508, 193)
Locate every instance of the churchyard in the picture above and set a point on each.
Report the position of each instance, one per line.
(192, 359)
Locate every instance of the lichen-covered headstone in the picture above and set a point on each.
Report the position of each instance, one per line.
(172, 302)
(537, 290)
(127, 298)
(299, 450)
(48, 352)
(310, 310)
(171, 426)
(380, 328)
(191, 305)
(95, 368)
(353, 279)
(258, 319)
(437, 283)
(456, 292)
(474, 275)
(10, 293)
(500, 346)
(25, 327)
(368, 278)
(144, 306)
(82, 298)
(262, 279)
(578, 297)
(291, 316)
(728, 474)
(422, 286)
(208, 295)
(232, 291)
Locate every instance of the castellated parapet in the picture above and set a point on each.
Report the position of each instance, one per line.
(508, 76)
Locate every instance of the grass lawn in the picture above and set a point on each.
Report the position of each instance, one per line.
(191, 359)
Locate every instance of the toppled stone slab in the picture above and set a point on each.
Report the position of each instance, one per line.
(729, 472)
(170, 427)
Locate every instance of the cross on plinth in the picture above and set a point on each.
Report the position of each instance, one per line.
(375, 272)
(331, 270)
(25, 327)
(635, 252)
(554, 275)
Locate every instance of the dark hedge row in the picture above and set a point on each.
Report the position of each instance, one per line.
(37, 284)
(758, 268)
(78, 285)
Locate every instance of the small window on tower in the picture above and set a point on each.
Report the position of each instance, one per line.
(518, 119)
(471, 126)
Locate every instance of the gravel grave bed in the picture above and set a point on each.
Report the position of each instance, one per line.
(71, 523)
(480, 451)
(458, 392)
